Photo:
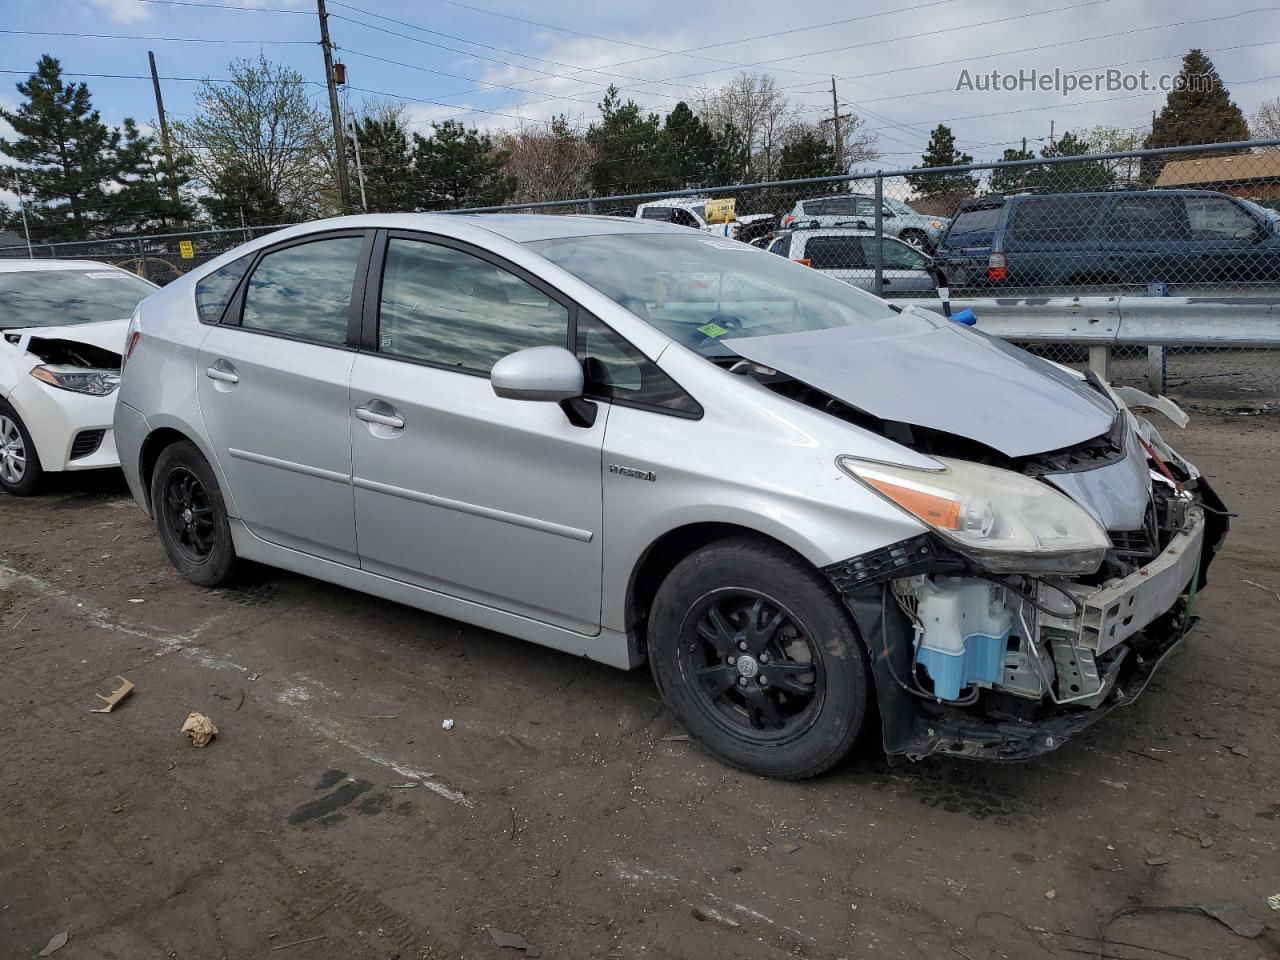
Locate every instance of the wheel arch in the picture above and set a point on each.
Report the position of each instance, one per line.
(661, 556)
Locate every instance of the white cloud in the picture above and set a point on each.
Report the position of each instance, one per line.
(124, 11)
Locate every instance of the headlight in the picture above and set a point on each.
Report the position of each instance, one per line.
(96, 383)
(936, 224)
(1003, 521)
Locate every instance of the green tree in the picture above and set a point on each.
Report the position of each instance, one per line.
(69, 157)
(259, 146)
(694, 155)
(145, 200)
(1012, 179)
(1082, 175)
(459, 167)
(385, 161)
(942, 152)
(628, 153)
(809, 155)
(1198, 110)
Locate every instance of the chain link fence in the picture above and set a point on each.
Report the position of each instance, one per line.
(1198, 221)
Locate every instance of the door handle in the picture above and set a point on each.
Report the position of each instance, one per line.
(222, 371)
(383, 414)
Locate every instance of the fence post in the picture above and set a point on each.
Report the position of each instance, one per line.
(53, 254)
(142, 258)
(1100, 361)
(1157, 365)
(591, 204)
(878, 283)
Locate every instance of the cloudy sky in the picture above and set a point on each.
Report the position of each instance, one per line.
(492, 62)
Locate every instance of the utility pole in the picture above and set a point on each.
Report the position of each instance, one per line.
(1051, 133)
(344, 190)
(835, 120)
(164, 134)
(1024, 146)
(355, 142)
(22, 205)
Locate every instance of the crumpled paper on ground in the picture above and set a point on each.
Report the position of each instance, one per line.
(200, 729)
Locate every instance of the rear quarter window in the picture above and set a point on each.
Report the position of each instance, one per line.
(1052, 221)
(980, 221)
(214, 292)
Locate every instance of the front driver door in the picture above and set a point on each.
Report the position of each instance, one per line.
(274, 379)
(491, 500)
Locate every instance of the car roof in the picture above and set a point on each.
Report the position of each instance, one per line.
(834, 232)
(676, 202)
(26, 266)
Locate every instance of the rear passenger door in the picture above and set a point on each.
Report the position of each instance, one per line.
(475, 496)
(904, 269)
(839, 257)
(273, 392)
(1147, 239)
(1053, 240)
(1225, 238)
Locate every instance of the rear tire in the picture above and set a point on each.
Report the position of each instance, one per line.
(20, 470)
(757, 659)
(191, 516)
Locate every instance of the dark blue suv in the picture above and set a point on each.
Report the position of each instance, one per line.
(1117, 237)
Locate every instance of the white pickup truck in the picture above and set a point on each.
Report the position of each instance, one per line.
(692, 212)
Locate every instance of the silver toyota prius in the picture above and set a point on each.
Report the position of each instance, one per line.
(628, 441)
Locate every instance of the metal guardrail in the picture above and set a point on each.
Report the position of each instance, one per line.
(1102, 323)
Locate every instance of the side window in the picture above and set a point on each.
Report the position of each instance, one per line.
(616, 370)
(213, 293)
(447, 307)
(897, 256)
(304, 291)
(1144, 219)
(835, 253)
(780, 246)
(866, 207)
(682, 217)
(1059, 221)
(1217, 218)
(656, 213)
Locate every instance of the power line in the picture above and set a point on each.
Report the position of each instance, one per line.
(120, 36)
(226, 6)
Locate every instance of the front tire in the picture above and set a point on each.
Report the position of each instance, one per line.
(20, 470)
(757, 659)
(191, 516)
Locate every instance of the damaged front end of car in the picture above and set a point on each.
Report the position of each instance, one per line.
(1004, 657)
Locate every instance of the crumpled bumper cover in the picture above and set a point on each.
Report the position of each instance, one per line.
(915, 727)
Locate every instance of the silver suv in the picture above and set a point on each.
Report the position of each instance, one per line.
(897, 218)
(629, 441)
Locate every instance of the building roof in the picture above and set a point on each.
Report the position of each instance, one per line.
(1208, 170)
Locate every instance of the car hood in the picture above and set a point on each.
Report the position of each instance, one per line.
(926, 371)
(107, 334)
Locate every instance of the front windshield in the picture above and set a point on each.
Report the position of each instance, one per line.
(60, 298)
(701, 290)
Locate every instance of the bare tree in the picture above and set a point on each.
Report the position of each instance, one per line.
(1265, 124)
(549, 163)
(760, 113)
(259, 143)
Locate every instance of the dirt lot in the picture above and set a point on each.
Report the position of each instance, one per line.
(333, 817)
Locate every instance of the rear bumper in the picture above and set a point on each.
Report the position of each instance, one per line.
(131, 431)
(55, 417)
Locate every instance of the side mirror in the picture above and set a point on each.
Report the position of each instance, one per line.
(549, 374)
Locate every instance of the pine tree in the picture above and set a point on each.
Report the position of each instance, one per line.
(694, 155)
(628, 154)
(69, 156)
(385, 161)
(1012, 179)
(1084, 175)
(145, 201)
(808, 155)
(1198, 110)
(941, 152)
(458, 167)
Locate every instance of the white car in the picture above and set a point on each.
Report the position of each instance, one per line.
(897, 218)
(691, 212)
(849, 255)
(62, 329)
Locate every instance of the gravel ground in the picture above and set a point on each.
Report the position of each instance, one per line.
(333, 817)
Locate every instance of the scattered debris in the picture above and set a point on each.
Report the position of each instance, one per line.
(1240, 751)
(126, 688)
(783, 845)
(137, 600)
(403, 786)
(241, 703)
(676, 738)
(286, 946)
(58, 941)
(513, 940)
(1205, 842)
(254, 676)
(1051, 894)
(1157, 861)
(707, 915)
(448, 725)
(1238, 919)
(200, 729)
(1211, 812)
(1273, 901)
(382, 716)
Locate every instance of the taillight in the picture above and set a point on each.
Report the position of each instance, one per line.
(788, 220)
(997, 268)
(131, 338)
(804, 261)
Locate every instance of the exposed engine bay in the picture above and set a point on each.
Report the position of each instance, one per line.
(1007, 665)
(68, 353)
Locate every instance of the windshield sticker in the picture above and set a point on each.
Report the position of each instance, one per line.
(104, 275)
(712, 330)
